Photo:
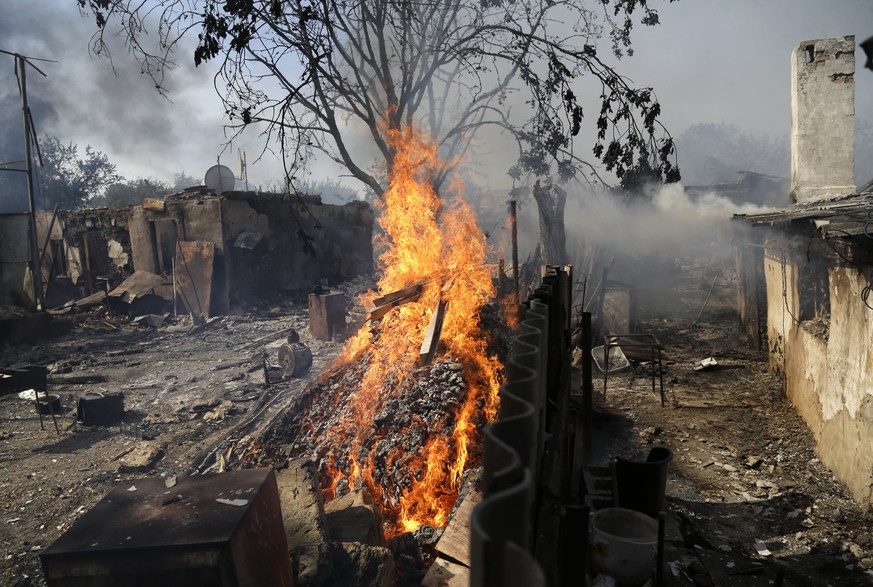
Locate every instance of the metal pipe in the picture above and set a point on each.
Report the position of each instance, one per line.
(587, 387)
(513, 222)
(38, 295)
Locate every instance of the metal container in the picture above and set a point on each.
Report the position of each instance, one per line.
(97, 409)
(616, 360)
(295, 358)
(181, 536)
(49, 403)
(624, 545)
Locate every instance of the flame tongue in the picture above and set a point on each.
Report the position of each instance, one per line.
(440, 246)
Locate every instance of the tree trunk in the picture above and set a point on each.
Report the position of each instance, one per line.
(550, 205)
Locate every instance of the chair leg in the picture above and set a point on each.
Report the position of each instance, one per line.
(614, 479)
(659, 563)
(780, 577)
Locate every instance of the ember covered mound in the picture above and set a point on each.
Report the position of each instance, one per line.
(393, 458)
(402, 410)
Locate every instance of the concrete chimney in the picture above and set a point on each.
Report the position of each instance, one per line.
(823, 119)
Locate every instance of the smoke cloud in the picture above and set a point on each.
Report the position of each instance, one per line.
(111, 106)
(708, 60)
(670, 225)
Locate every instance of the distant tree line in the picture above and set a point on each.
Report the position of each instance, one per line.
(72, 179)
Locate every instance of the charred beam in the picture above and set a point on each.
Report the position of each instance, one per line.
(435, 327)
(390, 301)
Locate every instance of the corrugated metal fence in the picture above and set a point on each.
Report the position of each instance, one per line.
(502, 524)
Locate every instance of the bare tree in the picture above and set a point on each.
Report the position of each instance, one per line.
(318, 75)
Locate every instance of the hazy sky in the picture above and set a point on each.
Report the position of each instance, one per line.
(729, 60)
(709, 61)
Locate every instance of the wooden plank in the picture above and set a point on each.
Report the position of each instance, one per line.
(138, 284)
(399, 294)
(432, 334)
(455, 541)
(443, 573)
(91, 300)
(195, 262)
(377, 312)
(435, 327)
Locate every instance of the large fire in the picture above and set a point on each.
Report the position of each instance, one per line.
(424, 241)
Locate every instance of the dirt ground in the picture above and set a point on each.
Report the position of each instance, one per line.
(744, 474)
(190, 394)
(743, 471)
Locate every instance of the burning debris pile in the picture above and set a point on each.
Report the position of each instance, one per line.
(402, 409)
(407, 447)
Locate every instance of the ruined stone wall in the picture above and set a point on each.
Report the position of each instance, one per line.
(194, 219)
(272, 254)
(847, 398)
(828, 372)
(340, 247)
(823, 119)
(140, 241)
(108, 237)
(14, 255)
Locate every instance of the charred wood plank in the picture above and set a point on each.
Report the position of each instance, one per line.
(400, 294)
(432, 335)
(435, 327)
(379, 310)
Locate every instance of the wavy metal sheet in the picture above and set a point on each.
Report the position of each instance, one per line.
(502, 523)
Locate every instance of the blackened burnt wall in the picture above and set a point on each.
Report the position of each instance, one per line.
(304, 242)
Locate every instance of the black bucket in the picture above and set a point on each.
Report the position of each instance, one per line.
(641, 485)
(49, 404)
(97, 409)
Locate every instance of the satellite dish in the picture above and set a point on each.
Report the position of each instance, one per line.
(219, 179)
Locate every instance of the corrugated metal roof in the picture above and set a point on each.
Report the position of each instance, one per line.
(849, 216)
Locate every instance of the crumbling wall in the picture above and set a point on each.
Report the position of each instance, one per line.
(823, 119)
(263, 242)
(828, 374)
(107, 251)
(847, 395)
(157, 226)
(140, 241)
(14, 255)
(296, 242)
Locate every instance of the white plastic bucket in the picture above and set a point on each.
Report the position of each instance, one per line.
(624, 545)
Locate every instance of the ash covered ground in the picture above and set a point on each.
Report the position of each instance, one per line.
(744, 469)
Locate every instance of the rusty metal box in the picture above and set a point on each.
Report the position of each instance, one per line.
(97, 409)
(218, 530)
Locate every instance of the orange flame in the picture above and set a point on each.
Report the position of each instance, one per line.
(427, 242)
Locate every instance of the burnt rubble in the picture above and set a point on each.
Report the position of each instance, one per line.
(421, 407)
(743, 470)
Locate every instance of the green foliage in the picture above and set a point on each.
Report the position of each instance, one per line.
(71, 181)
(183, 181)
(130, 193)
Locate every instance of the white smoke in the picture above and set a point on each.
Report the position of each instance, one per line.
(669, 224)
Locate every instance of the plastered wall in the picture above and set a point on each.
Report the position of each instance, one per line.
(828, 374)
